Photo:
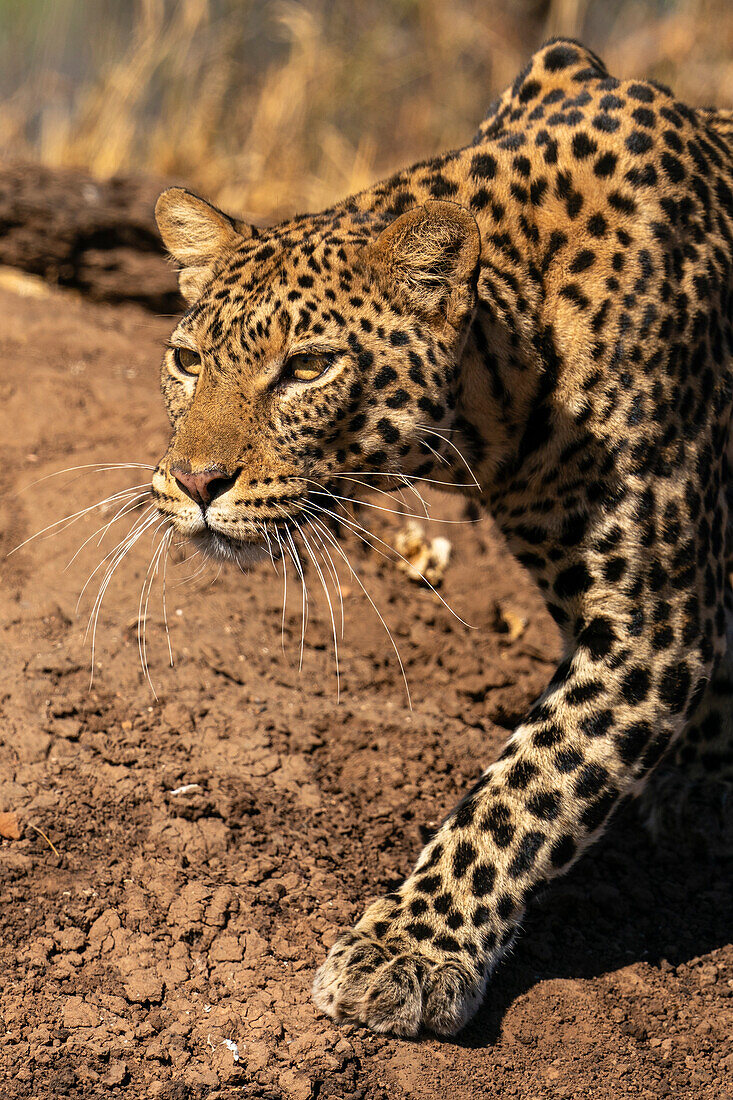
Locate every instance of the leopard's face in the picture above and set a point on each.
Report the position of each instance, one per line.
(301, 364)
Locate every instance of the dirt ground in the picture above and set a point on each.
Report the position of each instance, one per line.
(184, 862)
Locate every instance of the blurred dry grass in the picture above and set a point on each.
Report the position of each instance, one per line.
(271, 106)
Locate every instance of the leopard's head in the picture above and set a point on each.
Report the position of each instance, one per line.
(319, 353)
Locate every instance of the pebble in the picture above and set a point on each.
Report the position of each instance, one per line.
(226, 949)
(79, 1013)
(143, 986)
(70, 939)
(295, 1085)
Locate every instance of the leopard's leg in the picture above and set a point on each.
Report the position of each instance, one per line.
(705, 748)
(422, 956)
(691, 789)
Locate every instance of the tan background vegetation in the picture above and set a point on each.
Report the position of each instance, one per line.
(269, 106)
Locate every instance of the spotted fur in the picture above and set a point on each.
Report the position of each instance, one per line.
(555, 299)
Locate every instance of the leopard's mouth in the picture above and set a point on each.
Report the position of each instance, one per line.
(222, 535)
(220, 532)
(226, 548)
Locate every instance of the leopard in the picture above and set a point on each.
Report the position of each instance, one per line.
(550, 306)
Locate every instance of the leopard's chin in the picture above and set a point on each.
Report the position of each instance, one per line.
(223, 548)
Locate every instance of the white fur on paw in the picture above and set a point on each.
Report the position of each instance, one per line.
(395, 988)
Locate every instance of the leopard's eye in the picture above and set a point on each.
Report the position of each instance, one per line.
(187, 361)
(306, 366)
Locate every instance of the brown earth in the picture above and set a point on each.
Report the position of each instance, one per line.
(98, 236)
(184, 862)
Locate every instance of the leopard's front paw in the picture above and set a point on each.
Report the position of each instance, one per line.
(394, 985)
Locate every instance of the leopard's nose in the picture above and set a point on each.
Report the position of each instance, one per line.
(203, 486)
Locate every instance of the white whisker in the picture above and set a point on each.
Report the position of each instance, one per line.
(382, 508)
(201, 568)
(403, 477)
(315, 520)
(127, 508)
(358, 528)
(93, 467)
(266, 533)
(66, 521)
(355, 481)
(114, 557)
(439, 435)
(147, 513)
(131, 505)
(299, 568)
(426, 507)
(145, 591)
(121, 553)
(434, 453)
(334, 574)
(169, 536)
(314, 559)
(285, 588)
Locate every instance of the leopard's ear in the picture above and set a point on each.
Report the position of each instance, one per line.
(197, 235)
(429, 258)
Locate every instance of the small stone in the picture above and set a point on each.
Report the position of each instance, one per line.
(255, 948)
(157, 1088)
(219, 906)
(70, 939)
(79, 1013)
(199, 1074)
(157, 1049)
(344, 1048)
(187, 908)
(33, 746)
(295, 1085)
(707, 975)
(143, 987)
(56, 661)
(265, 766)
(108, 922)
(117, 1074)
(226, 949)
(68, 728)
(39, 950)
(9, 826)
(177, 717)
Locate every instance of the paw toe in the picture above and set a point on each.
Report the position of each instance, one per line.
(394, 1002)
(452, 999)
(343, 983)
